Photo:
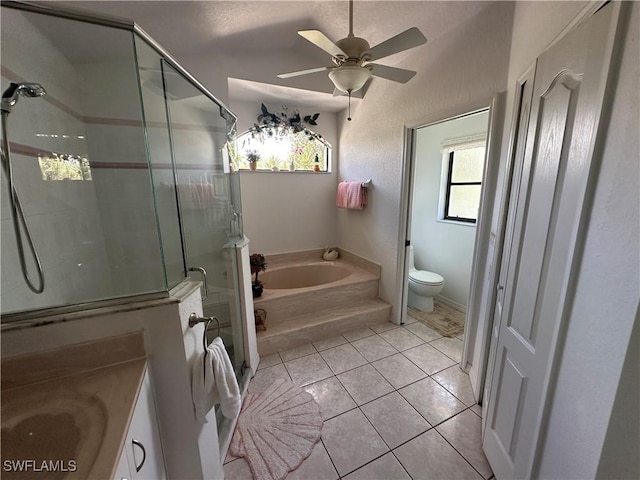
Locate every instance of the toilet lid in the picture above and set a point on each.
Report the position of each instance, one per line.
(426, 278)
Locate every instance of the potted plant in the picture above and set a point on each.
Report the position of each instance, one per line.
(253, 157)
(258, 264)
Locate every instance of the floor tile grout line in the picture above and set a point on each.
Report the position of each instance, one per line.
(428, 375)
(382, 338)
(365, 464)
(374, 427)
(452, 393)
(345, 341)
(421, 369)
(368, 401)
(444, 353)
(400, 463)
(370, 362)
(410, 383)
(402, 353)
(432, 427)
(348, 393)
(407, 441)
(459, 453)
(328, 455)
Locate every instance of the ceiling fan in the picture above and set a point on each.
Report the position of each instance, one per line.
(353, 57)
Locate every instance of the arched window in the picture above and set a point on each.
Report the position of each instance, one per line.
(281, 148)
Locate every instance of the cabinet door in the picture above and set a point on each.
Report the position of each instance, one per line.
(122, 470)
(143, 447)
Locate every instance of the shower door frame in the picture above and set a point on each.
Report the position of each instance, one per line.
(22, 319)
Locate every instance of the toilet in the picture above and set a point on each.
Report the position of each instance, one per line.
(423, 286)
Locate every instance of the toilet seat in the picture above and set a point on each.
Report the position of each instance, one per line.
(424, 277)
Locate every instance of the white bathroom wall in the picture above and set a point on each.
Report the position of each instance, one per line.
(457, 73)
(441, 246)
(285, 211)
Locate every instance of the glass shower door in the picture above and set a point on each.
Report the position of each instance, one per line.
(198, 135)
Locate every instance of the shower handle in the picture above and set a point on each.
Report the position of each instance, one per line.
(204, 291)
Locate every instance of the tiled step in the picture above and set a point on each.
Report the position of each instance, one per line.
(292, 306)
(327, 323)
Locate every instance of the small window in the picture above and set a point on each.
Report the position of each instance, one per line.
(64, 167)
(286, 150)
(463, 183)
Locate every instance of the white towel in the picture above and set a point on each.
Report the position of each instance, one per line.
(213, 381)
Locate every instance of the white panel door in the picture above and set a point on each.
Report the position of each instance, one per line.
(549, 216)
(520, 126)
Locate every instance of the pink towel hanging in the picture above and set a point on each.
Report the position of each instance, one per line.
(351, 195)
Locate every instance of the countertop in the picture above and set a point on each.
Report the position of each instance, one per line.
(72, 406)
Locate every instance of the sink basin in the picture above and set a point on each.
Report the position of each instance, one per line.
(60, 431)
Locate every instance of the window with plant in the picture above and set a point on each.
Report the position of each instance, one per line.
(282, 142)
(64, 167)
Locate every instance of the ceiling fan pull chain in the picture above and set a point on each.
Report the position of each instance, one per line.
(349, 117)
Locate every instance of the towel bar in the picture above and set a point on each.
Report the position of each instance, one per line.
(194, 320)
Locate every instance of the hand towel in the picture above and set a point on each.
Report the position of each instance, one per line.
(213, 381)
(351, 195)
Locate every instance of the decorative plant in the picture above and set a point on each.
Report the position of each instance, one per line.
(252, 156)
(258, 264)
(271, 124)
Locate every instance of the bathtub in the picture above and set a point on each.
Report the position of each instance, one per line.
(307, 300)
(303, 276)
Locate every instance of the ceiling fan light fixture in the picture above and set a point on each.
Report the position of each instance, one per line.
(349, 78)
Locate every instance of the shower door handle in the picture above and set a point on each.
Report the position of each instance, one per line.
(203, 290)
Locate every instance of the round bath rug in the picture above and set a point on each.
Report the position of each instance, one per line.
(277, 430)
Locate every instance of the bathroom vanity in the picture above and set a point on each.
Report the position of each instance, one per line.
(82, 411)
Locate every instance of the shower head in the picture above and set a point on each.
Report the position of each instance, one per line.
(11, 94)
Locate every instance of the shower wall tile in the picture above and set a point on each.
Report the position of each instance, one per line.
(116, 143)
(129, 226)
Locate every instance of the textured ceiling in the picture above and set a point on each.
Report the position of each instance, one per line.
(236, 27)
(240, 28)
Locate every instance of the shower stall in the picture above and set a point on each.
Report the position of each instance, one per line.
(121, 169)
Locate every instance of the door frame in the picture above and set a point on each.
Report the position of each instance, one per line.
(483, 241)
(406, 200)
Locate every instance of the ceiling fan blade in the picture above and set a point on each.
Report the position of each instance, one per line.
(403, 41)
(320, 40)
(399, 75)
(302, 72)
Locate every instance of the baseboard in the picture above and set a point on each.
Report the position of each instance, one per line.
(450, 303)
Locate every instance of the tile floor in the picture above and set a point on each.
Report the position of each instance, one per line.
(395, 403)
